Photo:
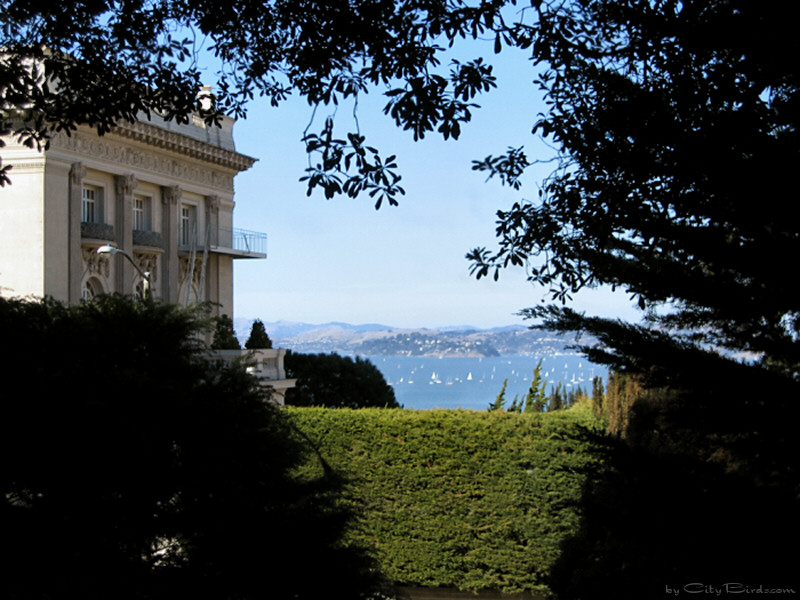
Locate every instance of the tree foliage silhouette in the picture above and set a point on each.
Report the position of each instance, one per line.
(96, 64)
(676, 126)
(258, 337)
(224, 335)
(134, 468)
(670, 119)
(336, 381)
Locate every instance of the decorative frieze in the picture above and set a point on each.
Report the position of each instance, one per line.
(107, 149)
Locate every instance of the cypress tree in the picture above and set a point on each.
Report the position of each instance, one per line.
(557, 400)
(224, 335)
(258, 337)
(535, 400)
(598, 397)
(500, 401)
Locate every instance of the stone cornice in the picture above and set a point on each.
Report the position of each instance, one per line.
(182, 144)
(161, 138)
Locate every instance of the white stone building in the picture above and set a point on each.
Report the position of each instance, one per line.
(160, 192)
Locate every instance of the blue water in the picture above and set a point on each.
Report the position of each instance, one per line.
(474, 383)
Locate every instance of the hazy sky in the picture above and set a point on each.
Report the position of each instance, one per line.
(341, 260)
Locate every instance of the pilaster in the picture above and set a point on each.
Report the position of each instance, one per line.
(74, 248)
(170, 203)
(124, 185)
(212, 219)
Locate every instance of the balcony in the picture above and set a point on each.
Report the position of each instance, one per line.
(97, 231)
(266, 365)
(240, 243)
(147, 239)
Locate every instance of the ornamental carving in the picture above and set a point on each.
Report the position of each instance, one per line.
(125, 184)
(96, 264)
(193, 269)
(171, 194)
(147, 262)
(76, 173)
(212, 204)
(147, 160)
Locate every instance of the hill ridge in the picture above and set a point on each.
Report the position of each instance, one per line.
(373, 339)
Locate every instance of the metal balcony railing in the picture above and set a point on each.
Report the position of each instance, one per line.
(97, 231)
(242, 240)
(143, 237)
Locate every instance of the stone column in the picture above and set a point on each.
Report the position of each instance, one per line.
(170, 206)
(123, 230)
(74, 248)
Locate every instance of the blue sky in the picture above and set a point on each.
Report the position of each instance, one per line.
(341, 260)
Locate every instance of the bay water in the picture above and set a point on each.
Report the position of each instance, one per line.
(421, 383)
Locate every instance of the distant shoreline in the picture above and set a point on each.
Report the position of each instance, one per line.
(379, 340)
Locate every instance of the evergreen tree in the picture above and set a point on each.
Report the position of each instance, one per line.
(258, 337)
(224, 334)
(335, 381)
(499, 402)
(535, 400)
(598, 396)
(622, 391)
(652, 106)
(574, 396)
(557, 400)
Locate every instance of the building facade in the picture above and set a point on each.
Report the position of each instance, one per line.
(160, 192)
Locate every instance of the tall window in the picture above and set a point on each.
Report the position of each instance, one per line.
(91, 204)
(188, 216)
(141, 213)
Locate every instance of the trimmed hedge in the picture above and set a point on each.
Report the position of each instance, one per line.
(459, 499)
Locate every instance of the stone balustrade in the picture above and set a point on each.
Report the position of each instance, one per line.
(266, 364)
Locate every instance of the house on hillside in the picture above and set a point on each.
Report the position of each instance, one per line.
(156, 197)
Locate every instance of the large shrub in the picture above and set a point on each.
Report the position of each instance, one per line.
(134, 468)
(460, 499)
(335, 381)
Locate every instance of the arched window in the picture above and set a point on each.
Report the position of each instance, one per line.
(91, 288)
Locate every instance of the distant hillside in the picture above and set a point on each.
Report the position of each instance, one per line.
(383, 340)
